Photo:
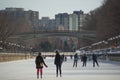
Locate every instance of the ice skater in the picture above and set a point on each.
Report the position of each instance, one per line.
(39, 61)
(58, 62)
(75, 60)
(94, 57)
(84, 59)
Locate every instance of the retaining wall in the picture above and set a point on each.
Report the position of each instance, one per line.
(13, 56)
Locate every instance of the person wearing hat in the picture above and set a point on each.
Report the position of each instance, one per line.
(39, 61)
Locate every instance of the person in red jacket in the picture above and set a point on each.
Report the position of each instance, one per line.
(39, 61)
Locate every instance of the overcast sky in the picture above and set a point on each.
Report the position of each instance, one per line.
(51, 7)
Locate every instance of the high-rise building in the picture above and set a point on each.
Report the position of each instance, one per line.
(18, 14)
(43, 23)
(33, 17)
(46, 24)
(80, 19)
(62, 19)
(82, 22)
(73, 22)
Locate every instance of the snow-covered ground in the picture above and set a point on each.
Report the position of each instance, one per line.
(25, 70)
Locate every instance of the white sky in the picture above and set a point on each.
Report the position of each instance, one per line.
(51, 7)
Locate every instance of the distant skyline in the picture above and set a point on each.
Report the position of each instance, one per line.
(48, 8)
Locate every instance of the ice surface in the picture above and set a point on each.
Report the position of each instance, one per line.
(25, 70)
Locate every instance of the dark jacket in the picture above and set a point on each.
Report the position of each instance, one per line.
(94, 57)
(76, 57)
(39, 60)
(84, 58)
(58, 60)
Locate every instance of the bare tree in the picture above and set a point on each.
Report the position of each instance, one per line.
(10, 26)
(106, 19)
(22, 25)
(7, 27)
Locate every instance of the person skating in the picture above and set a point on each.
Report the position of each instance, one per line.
(39, 61)
(84, 59)
(94, 57)
(75, 60)
(58, 62)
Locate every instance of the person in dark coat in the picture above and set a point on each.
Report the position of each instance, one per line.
(84, 59)
(94, 58)
(58, 62)
(39, 61)
(75, 60)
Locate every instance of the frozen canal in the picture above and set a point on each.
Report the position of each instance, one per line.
(25, 70)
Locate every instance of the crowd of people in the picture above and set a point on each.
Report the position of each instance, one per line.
(39, 61)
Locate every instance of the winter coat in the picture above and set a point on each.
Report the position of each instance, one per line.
(76, 57)
(84, 58)
(58, 60)
(94, 57)
(39, 62)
